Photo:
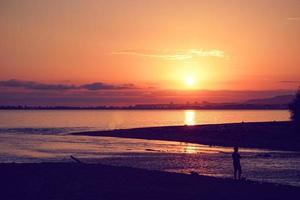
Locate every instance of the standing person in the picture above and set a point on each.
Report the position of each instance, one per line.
(236, 163)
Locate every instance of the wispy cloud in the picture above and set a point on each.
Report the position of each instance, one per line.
(293, 18)
(35, 85)
(32, 85)
(290, 82)
(173, 55)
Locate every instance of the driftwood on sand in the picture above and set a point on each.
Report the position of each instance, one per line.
(76, 160)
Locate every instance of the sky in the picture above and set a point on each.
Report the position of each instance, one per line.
(121, 52)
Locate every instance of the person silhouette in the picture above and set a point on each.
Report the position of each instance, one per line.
(236, 163)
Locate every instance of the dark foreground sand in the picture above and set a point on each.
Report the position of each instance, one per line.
(270, 135)
(95, 181)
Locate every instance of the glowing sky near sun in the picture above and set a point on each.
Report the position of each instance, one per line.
(161, 44)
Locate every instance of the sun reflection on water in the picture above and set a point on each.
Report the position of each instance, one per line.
(189, 148)
(189, 117)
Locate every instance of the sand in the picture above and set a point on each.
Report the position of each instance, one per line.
(267, 135)
(94, 181)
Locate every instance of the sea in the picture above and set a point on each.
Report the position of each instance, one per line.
(45, 136)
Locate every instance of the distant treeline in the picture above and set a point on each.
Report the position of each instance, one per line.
(154, 107)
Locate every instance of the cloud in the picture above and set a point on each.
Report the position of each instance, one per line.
(173, 55)
(35, 85)
(104, 86)
(31, 85)
(293, 18)
(290, 82)
(85, 98)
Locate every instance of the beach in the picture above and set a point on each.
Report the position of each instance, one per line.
(153, 163)
(267, 135)
(95, 181)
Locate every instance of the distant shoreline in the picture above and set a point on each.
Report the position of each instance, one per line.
(267, 135)
(206, 106)
(133, 109)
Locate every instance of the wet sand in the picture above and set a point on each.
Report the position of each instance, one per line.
(95, 181)
(268, 135)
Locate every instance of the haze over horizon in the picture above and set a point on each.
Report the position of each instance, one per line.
(125, 52)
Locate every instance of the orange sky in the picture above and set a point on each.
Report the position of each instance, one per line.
(161, 44)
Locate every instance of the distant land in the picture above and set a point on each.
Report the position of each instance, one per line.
(277, 102)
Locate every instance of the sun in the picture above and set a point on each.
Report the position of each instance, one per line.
(190, 81)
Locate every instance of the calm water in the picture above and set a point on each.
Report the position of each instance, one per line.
(38, 136)
(44, 121)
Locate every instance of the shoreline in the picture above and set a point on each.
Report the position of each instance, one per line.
(266, 135)
(96, 181)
